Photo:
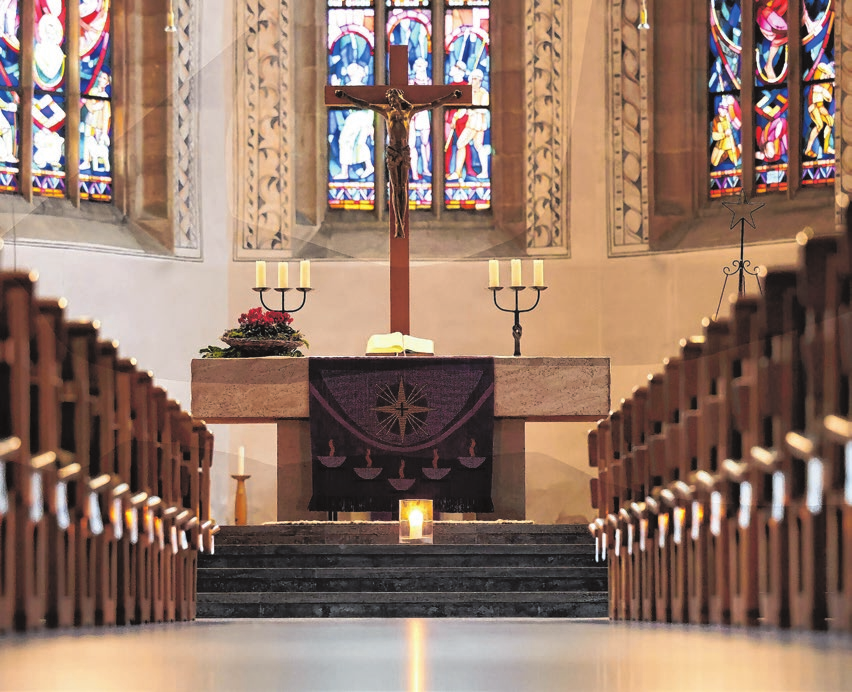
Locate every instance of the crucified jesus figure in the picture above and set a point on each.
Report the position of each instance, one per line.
(397, 113)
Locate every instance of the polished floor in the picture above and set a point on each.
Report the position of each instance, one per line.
(415, 655)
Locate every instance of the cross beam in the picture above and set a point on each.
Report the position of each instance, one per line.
(400, 317)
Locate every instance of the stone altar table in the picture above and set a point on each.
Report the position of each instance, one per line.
(275, 390)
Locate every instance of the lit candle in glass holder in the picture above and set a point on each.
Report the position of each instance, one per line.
(415, 525)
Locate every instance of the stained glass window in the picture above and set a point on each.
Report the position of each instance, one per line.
(725, 139)
(95, 104)
(10, 82)
(57, 110)
(467, 160)
(818, 94)
(351, 132)
(409, 23)
(774, 78)
(49, 101)
(450, 158)
(771, 95)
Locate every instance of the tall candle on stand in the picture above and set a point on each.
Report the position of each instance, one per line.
(283, 275)
(260, 274)
(305, 274)
(516, 273)
(538, 272)
(493, 273)
(241, 461)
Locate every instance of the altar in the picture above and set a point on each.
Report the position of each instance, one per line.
(277, 390)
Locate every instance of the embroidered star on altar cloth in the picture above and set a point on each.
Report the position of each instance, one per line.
(743, 210)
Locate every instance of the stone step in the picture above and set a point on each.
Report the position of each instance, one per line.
(403, 579)
(563, 604)
(387, 533)
(422, 556)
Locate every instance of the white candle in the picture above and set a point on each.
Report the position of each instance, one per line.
(305, 274)
(415, 524)
(516, 273)
(260, 274)
(493, 273)
(241, 461)
(538, 272)
(283, 275)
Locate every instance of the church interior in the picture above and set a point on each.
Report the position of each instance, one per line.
(678, 425)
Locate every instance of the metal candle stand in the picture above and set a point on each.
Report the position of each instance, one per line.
(517, 330)
(283, 292)
(742, 212)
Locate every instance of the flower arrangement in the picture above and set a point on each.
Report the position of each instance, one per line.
(260, 333)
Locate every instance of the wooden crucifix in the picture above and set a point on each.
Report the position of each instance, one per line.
(397, 101)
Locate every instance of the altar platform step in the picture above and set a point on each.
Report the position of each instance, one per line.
(556, 604)
(345, 569)
(402, 579)
(387, 533)
(352, 556)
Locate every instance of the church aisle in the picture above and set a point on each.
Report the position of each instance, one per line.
(439, 654)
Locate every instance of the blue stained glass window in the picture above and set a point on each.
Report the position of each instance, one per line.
(818, 105)
(724, 83)
(410, 24)
(10, 100)
(49, 52)
(9, 140)
(49, 106)
(725, 145)
(467, 131)
(10, 43)
(96, 107)
(351, 132)
(49, 118)
(351, 158)
(725, 45)
(771, 138)
(461, 156)
(95, 47)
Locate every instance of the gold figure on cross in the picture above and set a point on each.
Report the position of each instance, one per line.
(397, 113)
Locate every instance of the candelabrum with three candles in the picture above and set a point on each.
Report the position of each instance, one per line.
(283, 284)
(516, 287)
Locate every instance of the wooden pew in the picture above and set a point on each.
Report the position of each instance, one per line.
(24, 477)
(9, 447)
(740, 476)
(807, 527)
(639, 480)
(775, 384)
(710, 538)
(50, 352)
(654, 528)
(837, 449)
(689, 417)
(143, 456)
(129, 501)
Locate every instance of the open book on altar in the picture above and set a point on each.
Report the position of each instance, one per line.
(397, 343)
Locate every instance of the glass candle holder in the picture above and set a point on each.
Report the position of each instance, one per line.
(415, 521)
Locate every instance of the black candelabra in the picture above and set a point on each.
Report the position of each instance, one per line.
(740, 268)
(517, 330)
(283, 291)
(283, 288)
